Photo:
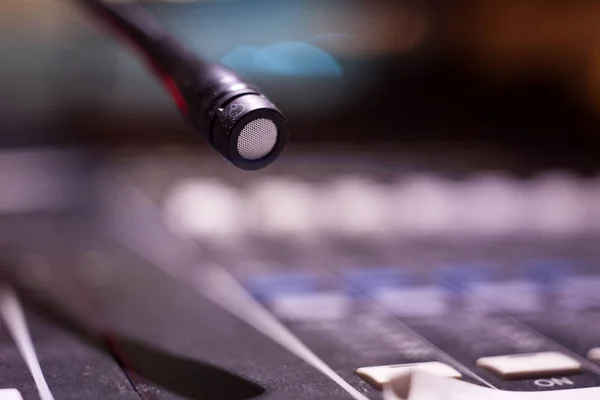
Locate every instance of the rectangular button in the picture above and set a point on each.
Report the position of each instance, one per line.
(536, 365)
(594, 354)
(10, 394)
(378, 376)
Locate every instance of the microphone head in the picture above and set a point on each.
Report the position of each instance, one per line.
(234, 116)
(257, 139)
(249, 131)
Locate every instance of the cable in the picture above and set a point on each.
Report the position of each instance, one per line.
(137, 27)
(233, 115)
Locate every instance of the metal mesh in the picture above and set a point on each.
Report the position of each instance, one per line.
(257, 139)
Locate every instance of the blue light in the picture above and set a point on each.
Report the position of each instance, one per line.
(264, 287)
(241, 59)
(458, 277)
(548, 272)
(293, 59)
(371, 280)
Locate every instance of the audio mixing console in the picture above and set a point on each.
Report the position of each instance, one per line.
(319, 282)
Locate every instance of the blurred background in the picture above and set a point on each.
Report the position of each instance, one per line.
(521, 75)
(432, 141)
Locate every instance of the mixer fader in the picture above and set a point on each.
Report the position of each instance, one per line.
(323, 285)
(491, 279)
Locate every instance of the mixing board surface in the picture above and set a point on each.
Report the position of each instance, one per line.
(318, 285)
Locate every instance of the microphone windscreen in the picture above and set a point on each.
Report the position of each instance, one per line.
(249, 131)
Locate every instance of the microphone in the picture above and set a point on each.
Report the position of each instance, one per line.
(236, 119)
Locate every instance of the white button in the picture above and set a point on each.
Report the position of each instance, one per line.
(557, 205)
(417, 386)
(491, 205)
(416, 301)
(509, 296)
(355, 207)
(594, 200)
(379, 376)
(594, 354)
(536, 365)
(10, 394)
(204, 209)
(580, 292)
(425, 206)
(322, 306)
(278, 206)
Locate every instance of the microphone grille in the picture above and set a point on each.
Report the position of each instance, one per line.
(257, 139)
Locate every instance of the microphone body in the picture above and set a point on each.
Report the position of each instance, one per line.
(234, 117)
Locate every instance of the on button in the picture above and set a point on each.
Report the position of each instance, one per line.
(535, 365)
(594, 354)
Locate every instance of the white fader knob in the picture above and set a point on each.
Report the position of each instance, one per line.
(10, 394)
(557, 204)
(492, 205)
(281, 206)
(354, 207)
(204, 209)
(594, 205)
(425, 206)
